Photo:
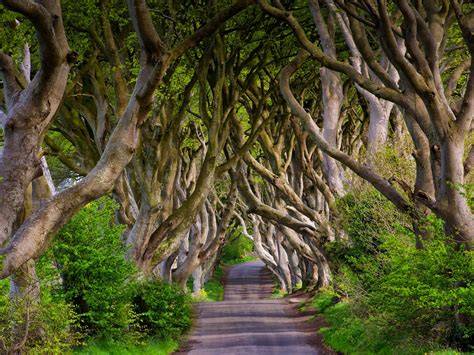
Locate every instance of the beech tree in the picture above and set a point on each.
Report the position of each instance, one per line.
(158, 113)
(155, 59)
(439, 127)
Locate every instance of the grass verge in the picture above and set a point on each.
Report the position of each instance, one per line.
(244, 259)
(349, 334)
(214, 288)
(153, 346)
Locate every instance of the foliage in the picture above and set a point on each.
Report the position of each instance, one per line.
(96, 276)
(326, 298)
(214, 288)
(16, 32)
(349, 333)
(395, 158)
(45, 327)
(237, 249)
(153, 346)
(244, 259)
(363, 216)
(396, 296)
(163, 310)
(278, 293)
(100, 284)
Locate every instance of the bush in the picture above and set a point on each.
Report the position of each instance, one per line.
(421, 290)
(88, 287)
(214, 288)
(163, 310)
(325, 299)
(96, 278)
(108, 347)
(237, 248)
(43, 327)
(397, 296)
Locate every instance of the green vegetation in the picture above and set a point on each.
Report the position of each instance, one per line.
(243, 259)
(44, 327)
(155, 347)
(214, 288)
(96, 278)
(163, 310)
(278, 293)
(91, 296)
(389, 296)
(237, 250)
(337, 133)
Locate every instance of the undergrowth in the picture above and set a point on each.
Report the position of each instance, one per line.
(388, 297)
(237, 250)
(153, 346)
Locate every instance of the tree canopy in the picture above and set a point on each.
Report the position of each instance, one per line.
(204, 117)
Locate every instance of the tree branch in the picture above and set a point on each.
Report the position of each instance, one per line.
(331, 63)
(42, 20)
(10, 85)
(210, 27)
(363, 171)
(152, 47)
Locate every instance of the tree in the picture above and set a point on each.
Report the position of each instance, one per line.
(155, 59)
(436, 125)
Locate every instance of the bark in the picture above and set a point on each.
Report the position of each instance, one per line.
(24, 283)
(314, 132)
(425, 100)
(32, 237)
(332, 96)
(196, 242)
(212, 238)
(283, 264)
(256, 237)
(30, 110)
(296, 275)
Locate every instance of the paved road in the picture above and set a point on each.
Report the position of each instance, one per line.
(248, 322)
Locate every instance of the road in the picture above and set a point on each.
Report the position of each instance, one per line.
(249, 322)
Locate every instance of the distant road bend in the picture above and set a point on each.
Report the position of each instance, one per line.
(248, 322)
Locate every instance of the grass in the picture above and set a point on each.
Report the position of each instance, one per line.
(244, 259)
(153, 346)
(214, 288)
(350, 334)
(278, 293)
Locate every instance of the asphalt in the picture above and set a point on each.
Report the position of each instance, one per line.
(249, 322)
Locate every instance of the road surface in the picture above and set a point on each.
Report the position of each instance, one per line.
(248, 322)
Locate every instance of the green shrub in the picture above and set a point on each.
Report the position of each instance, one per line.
(163, 310)
(152, 346)
(96, 277)
(364, 217)
(346, 331)
(396, 296)
(421, 290)
(325, 299)
(43, 327)
(237, 248)
(214, 288)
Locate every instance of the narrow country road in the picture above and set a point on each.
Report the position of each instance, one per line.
(248, 322)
